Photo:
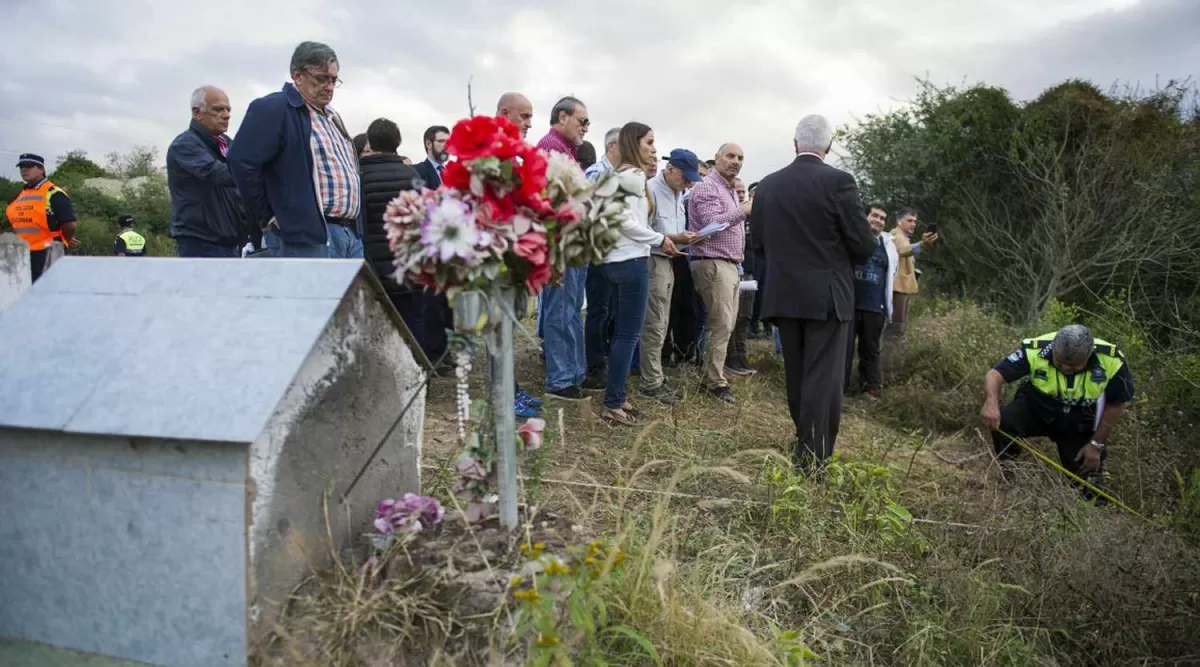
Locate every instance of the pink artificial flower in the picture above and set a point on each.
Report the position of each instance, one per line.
(531, 433)
(470, 467)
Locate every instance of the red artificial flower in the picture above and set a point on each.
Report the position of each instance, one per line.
(482, 137)
(532, 248)
(456, 176)
(496, 209)
(531, 172)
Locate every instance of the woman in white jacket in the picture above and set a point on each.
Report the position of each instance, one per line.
(623, 278)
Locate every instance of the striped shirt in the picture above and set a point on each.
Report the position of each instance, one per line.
(713, 200)
(335, 167)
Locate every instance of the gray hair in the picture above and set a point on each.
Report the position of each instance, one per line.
(566, 105)
(611, 136)
(1074, 343)
(200, 97)
(312, 54)
(814, 134)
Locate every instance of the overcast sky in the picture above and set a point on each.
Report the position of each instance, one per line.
(105, 75)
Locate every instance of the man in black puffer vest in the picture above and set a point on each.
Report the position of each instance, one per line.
(384, 175)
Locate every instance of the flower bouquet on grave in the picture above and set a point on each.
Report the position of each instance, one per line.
(507, 216)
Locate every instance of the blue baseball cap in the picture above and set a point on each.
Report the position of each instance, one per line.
(687, 162)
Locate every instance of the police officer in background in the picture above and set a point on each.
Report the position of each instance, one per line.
(1076, 389)
(41, 214)
(129, 243)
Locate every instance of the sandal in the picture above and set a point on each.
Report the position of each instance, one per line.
(628, 408)
(618, 416)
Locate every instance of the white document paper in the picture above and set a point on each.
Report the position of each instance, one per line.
(748, 286)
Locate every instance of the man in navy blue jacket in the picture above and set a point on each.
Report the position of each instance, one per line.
(207, 219)
(296, 167)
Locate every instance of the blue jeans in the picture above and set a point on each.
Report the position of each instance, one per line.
(600, 309)
(190, 246)
(562, 331)
(627, 284)
(344, 242)
(276, 247)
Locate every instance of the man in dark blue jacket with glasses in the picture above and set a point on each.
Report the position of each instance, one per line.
(296, 167)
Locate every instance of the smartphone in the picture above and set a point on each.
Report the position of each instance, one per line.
(931, 228)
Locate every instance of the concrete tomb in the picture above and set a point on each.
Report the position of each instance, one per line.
(169, 430)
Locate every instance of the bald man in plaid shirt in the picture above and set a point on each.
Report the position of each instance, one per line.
(715, 259)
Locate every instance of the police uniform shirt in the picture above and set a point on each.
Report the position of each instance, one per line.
(60, 208)
(119, 247)
(1117, 392)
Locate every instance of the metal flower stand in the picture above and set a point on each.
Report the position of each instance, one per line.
(492, 315)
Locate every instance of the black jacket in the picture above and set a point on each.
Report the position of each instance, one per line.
(383, 177)
(809, 221)
(205, 203)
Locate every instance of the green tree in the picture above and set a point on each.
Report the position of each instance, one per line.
(141, 161)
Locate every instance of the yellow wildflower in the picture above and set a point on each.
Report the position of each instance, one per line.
(546, 639)
(530, 595)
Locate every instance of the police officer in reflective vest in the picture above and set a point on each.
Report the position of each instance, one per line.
(1076, 388)
(129, 243)
(41, 214)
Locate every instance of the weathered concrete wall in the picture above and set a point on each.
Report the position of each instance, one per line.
(14, 269)
(126, 548)
(346, 396)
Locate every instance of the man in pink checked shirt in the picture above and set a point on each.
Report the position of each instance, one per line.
(715, 259)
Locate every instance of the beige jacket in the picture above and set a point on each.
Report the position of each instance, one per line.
(906, 278)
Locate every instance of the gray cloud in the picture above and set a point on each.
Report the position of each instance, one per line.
(700, 72)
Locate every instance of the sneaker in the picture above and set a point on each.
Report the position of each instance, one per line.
(661, 393)
(524, 398)
(720, 393)
(572, 393)
(740, 370)
(595, 382)
(870, 394)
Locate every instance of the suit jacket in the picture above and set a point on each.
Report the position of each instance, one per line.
(809, 221)
(428, 174)
(906, 279)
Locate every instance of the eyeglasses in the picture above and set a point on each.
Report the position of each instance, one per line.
(584, 122)
(324, 80)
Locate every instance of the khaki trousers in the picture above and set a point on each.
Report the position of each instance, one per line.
(658, 316)
(717, 284)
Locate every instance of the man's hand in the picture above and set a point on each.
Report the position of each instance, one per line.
(990, 414)
(746, 206)
(1090, 457)
(668, 246)
(929, 238)
(683, 238)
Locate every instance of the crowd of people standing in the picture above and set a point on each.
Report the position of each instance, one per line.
(703, 262)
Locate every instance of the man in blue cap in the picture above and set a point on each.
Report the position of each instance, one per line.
(666, 189)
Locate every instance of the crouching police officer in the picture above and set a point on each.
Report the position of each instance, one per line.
(1076, 389)
(129, 243)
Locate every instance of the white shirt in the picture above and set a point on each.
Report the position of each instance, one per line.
(636, 235)
(670, 216)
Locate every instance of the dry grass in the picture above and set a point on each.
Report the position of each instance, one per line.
(749, 565)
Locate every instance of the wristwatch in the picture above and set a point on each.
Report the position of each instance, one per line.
(1098, 445)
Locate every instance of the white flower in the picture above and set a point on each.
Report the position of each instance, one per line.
(633, 181)
(449, 230)
(607, 186)
(565, 171)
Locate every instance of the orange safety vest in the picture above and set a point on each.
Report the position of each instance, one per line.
(29, 216)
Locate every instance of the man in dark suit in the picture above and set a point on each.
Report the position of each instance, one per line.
(430, 170)
(436, 314)
(809, 221)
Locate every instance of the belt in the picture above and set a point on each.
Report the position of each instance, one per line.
(715, 259)
(342, 222)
